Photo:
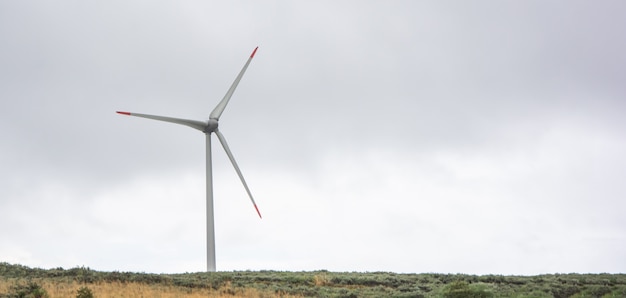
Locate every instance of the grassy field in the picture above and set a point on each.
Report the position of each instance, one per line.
(56, 288)
(16, 280)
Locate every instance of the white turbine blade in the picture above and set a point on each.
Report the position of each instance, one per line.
(220, 136)
(199, 125)
(217, 112)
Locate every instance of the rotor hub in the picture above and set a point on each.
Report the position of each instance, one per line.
(211, 126)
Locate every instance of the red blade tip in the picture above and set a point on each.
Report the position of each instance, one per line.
(123, 113)
(257, 211)
(254, 52)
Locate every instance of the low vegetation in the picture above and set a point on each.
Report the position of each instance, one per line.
(21, 281)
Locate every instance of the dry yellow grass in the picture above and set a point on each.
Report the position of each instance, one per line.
(321, 280)
(120, 290)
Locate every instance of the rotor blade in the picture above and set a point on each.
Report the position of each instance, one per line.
(199, 125)
(217, 112)
(220, 136)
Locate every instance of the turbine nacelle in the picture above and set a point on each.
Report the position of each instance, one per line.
(211, 126)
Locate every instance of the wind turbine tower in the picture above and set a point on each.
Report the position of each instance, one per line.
(209, 127)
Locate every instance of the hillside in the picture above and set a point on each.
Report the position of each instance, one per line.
(61, 282)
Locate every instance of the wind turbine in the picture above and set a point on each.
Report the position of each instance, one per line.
(209, 127)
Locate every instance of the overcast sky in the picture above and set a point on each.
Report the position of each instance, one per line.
(407, 136)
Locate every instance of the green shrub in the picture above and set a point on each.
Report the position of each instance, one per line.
(564, 291)
(597, 290)
(29, 290)
(84, 292)
(462, 289)
(619, 292)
